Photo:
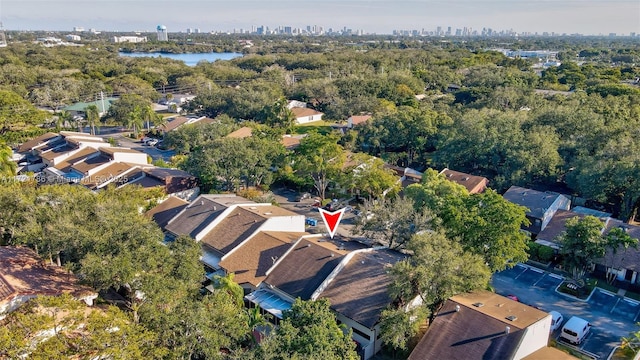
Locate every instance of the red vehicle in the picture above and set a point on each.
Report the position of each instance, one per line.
(513, 297)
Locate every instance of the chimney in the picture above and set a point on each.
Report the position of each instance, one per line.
(507, 329)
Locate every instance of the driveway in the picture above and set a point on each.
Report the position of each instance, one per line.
(611, 316)
(152, 151)
(286, 198)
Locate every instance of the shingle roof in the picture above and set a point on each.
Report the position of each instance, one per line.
(174, 124)
(472, 183)
(109, 173)
(57, 152)
(243, 132)
(302, 112)
(536, 201)
(477, 332)
(44, 138)
(83, 153)
(25, 273)
(166, 210)
(359, 291)
(233, 229)
(201, 212)
(164, 173)
(195, 216)
(115, 150)
(251, 261)
(91, 163)
(290, 142)
(557, 225)
(303, 269)
(359, 119)
(466, 334)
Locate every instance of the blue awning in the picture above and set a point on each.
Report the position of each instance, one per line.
(270, 302)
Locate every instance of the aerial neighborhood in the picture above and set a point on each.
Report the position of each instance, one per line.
(486, 201)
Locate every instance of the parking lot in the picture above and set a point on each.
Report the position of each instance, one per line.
(611, 316)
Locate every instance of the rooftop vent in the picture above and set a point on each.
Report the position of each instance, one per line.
(457, 308)
(512, 318)
(465, 178)
(308, 245)
(274, 259)
(507, 329)
(201, 202)
(478, 304)
(268, 213)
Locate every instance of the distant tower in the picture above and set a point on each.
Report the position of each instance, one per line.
(162, 33)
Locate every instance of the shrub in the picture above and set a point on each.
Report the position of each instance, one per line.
(545, 253)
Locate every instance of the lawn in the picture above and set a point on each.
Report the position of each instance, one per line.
(322, 127)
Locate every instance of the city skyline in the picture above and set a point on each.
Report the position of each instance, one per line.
(589, 17)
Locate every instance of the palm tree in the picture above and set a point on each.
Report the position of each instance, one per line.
(7, 165)
(65, 120)
(159, 121)
(148, 114)
(134, 120)
(256, 320)
(92, 114)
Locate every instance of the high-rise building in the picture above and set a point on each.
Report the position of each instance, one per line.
(162, 33)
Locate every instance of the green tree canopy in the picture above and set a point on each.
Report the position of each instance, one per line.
(320, 158)
(308, 331)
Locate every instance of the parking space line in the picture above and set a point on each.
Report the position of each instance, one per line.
(536, 283)
(536, 270)
(556, 276)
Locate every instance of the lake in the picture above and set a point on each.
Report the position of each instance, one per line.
(189, 59)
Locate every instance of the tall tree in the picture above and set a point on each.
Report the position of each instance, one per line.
(393, 221)
(17, 113)
(92, 115)
(582, 243)
(7, 165)
(320, 158)
(369, 177)
(438, 269)
(617, 240)
(308, 331)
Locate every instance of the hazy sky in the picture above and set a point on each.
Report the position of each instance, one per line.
(373, 16)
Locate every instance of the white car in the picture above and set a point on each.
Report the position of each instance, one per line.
(556, 320)
(151, 142)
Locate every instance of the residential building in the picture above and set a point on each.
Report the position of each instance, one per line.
(541, 206)
(624, 263)
(484, 325)
(358, 292)
(474, 184)
(296, 104)
(130, 39)
(162, 213)
(79, 108)
(24, 275)
(357, 120)
(306, 115)
(243, 132)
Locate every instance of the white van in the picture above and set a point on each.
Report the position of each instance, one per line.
(575, 330)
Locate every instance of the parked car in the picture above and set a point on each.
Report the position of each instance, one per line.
(556, 320)
(513, 297)
(575, 330)
(151, 142)
(303, 196)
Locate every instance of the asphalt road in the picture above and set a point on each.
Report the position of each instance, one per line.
(152, 151)
(286, 199)
(611, 316)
